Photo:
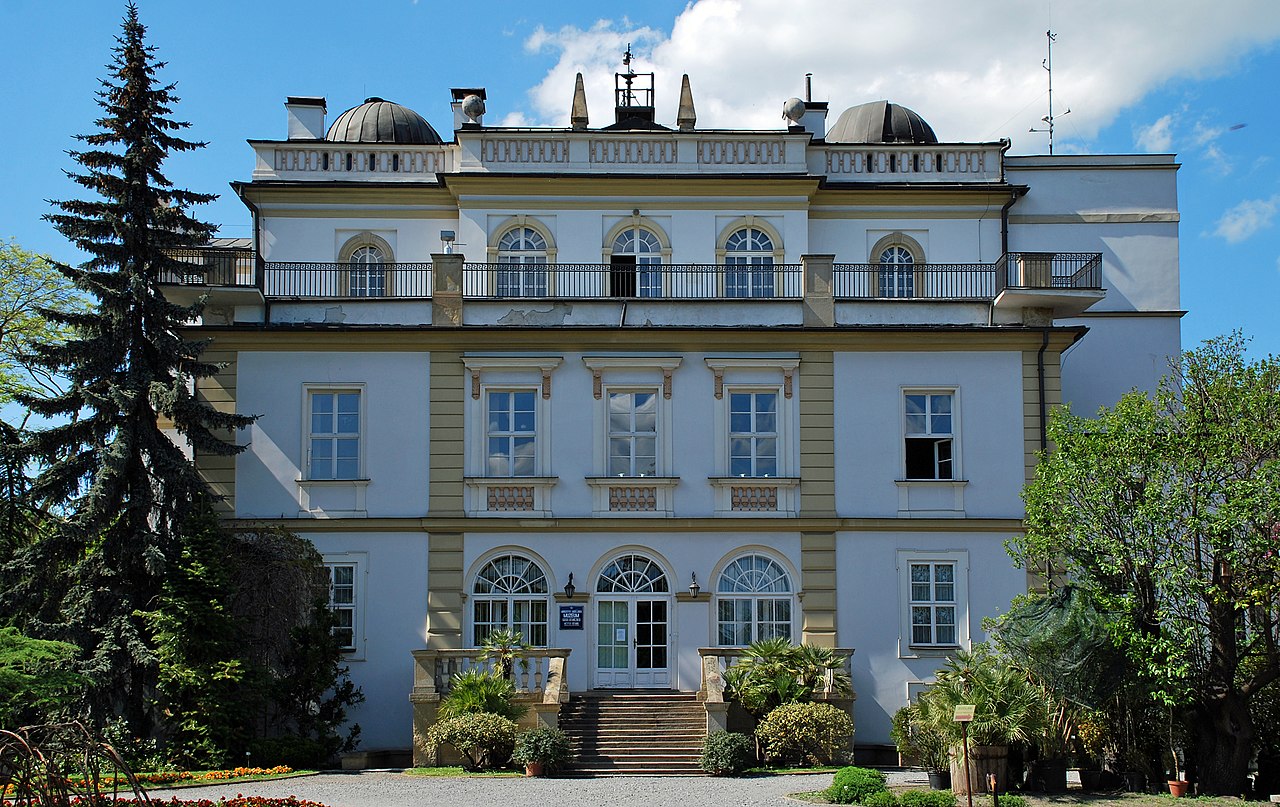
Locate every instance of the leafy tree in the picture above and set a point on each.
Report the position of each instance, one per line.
(128, 486)
(1165, 509)
(36, 682)
(29, 285)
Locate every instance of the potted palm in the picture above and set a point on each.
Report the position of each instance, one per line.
(923, 744)
(1008, 709)
(542, 750)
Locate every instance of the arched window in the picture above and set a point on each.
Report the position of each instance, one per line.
(753, 601)
(510, 593)
(522, 263)
(633, 264)
(368, 272)
(748, 261)
(897, 271)
(632, 574)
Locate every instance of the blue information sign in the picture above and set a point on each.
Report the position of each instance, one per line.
(571, 617)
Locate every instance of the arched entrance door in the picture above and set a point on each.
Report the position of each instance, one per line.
(633, 610)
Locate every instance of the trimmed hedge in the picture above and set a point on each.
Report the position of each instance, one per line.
(726, 753)
(485, 739)
(806, 733)
(931, 798)
(881, 798)
(854, 785)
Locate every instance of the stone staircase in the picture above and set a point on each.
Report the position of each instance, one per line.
(635, 733)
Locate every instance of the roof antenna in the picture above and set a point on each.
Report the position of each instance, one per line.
(1047, 64)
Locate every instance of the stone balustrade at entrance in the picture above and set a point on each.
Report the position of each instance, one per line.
(539, 676)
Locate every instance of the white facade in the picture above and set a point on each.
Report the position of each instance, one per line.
(703, 352)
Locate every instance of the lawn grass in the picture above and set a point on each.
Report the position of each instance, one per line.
(457, 770)
(1074, 798)
(787, 771)
(186, 783)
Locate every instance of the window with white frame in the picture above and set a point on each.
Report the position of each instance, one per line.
(633, 433)
(510, 593)
(930, 435)
(522, 263)
(749, 255)
(753, 601)
(333, 442)
(368, 273)
(511, 435)
(753, 433)
(933, 603)
(897, 272)
(933, 587)
(342, 579)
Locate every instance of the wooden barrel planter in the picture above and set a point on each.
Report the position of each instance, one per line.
(983, 760)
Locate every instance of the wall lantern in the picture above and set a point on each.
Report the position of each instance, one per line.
(569, 590)
(694, 588)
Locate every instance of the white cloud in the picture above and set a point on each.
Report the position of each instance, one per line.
(1158, 137)
(972, 69)
(1242, 221)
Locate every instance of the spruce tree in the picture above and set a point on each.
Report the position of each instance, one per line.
(126, 488)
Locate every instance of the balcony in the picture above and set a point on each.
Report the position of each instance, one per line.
(1067, 282)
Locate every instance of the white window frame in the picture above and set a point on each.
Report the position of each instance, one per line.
(754, 375)
(611, 493)
(485, 493)
(754, 598)
(312, 493)
(959, 560)
(510, 599)
(358, 562)
(953, 435)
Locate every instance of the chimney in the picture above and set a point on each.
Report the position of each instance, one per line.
(460, 117)
(814, 119)
(305, 117)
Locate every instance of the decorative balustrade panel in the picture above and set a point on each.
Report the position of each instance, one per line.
(357, 281)
(602, 281)
(524, 150)
(968, 164)
(740, 151)
(633, 152)
(410, 160)
(532, 673)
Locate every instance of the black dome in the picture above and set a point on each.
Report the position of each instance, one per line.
(880, 122)
(380, 121)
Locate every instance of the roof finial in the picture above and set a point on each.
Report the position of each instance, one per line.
(686, 115)
(578, 113)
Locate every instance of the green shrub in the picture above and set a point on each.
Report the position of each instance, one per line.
(881, 798)
(298, 753)
(486, 740)
(726, 753)
(544, 745)
(37, 681)
(480, 691)
(854, 785)
(1012, 800)
(930, 798)
(806, 733)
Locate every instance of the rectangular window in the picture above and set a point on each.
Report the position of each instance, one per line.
(743, 620)
(511, 433)
(753, 434)
(334, 440)
(522, 276)
(342, 602)
(929, 435)
(633, 433)
(933, 603)
(748, 276)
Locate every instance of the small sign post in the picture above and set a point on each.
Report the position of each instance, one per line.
(964, 715)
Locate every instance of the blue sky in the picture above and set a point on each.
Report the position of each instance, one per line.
(1194, 78)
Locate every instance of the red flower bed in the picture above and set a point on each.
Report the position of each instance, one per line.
(238, 801)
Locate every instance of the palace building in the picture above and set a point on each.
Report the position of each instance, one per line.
(647, 392)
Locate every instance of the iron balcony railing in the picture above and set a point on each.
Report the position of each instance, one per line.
(1050, 270)
(328, 280)
(211, 266)
(759, 281)
(671, 281)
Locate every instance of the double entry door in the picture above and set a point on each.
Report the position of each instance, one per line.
(632, 642)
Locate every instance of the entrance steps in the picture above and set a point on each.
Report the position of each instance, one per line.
(635, 732)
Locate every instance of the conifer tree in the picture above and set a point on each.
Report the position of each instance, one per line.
(127, 489)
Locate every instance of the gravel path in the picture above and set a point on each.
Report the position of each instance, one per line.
(386, 789)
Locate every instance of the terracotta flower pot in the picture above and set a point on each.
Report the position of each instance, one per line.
(1178, 787)
(533, 769)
